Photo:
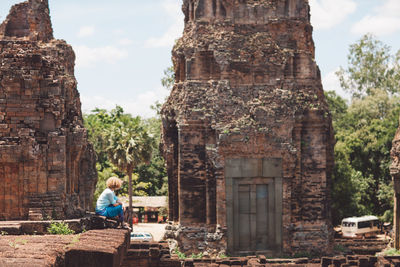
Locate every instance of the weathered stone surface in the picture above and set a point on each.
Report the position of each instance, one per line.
(148, 254)
(99, 248)
(93, 248)
(89, 222)
(395, 172)
(248, 90)
(29, 20)
(47, 166)
(156, 254)
(33, 250)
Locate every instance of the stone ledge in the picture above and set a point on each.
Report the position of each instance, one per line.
(140, 254)
(94, 248)
(91, 222)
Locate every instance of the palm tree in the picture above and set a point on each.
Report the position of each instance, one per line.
(129, 145)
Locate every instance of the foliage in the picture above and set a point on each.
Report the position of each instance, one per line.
(163, 211)
(180, 254)
(98, 123)
(128, 145)
(371, 66)
(196, 256)
(339, 248)
(222, 256)
(111, 132)
(364, 131)
(115, 135)
(169, 78)
(103, 175)
(60, 228)
(154, 172)
(17, 242)
(390, 252)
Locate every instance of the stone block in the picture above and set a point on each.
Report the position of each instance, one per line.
(272, 168)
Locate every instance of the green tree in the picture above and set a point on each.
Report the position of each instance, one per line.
(128, 146)
(342, 186)
(147, 179)
(364, 134)
(370, 66)
(155, 172)
(364, 131)
(169, 78)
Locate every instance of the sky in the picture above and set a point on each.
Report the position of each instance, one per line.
(123, 46)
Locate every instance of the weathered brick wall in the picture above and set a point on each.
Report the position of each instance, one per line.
(157, 254)
(395, 172)
(47, 166)
(96, 248)
(247, 87)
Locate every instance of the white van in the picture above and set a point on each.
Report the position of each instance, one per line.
(360, 226)
(141, 236)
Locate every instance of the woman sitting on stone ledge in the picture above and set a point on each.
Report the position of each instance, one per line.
(108, 204)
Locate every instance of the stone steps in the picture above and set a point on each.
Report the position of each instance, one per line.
(10, 229)
(363, 246)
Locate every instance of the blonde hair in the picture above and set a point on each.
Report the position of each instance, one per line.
(114, 183)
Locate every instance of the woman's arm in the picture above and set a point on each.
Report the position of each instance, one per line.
(118, 202)
(111, 197)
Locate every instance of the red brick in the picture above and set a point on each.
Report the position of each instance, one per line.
(247, 87)
(34, 162)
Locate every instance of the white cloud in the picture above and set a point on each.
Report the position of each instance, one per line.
(138, 106)
(173, 10)
(90, 102)
(384, 21)
(326, 14)
(88, 56)
(125, 42)
(119, 32)
(331, 83)
(86, 31)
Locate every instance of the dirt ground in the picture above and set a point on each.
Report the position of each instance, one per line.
(156, 229)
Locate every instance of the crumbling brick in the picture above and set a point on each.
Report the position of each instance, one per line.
(47, 166)
(248, 107)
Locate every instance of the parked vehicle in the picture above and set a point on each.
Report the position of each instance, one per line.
(141, 236)
(360, 226)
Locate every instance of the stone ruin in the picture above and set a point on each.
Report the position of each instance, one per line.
(247, 135)
(47, 166)
(395, 172)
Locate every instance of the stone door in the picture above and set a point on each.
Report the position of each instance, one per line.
(254, 206)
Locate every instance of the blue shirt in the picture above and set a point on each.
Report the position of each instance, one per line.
(106, 199)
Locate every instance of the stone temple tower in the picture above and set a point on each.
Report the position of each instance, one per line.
(47, 166)
(395, 172)
(247, 134)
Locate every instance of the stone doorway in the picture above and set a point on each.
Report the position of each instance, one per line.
(254, 206)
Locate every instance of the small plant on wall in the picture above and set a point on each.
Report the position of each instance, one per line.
(60, 228)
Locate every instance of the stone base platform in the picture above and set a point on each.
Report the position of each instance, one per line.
(112, 248)
(96, 248)
(90, 222)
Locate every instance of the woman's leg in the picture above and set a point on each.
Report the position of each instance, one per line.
(115, 211)
(121, 215)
